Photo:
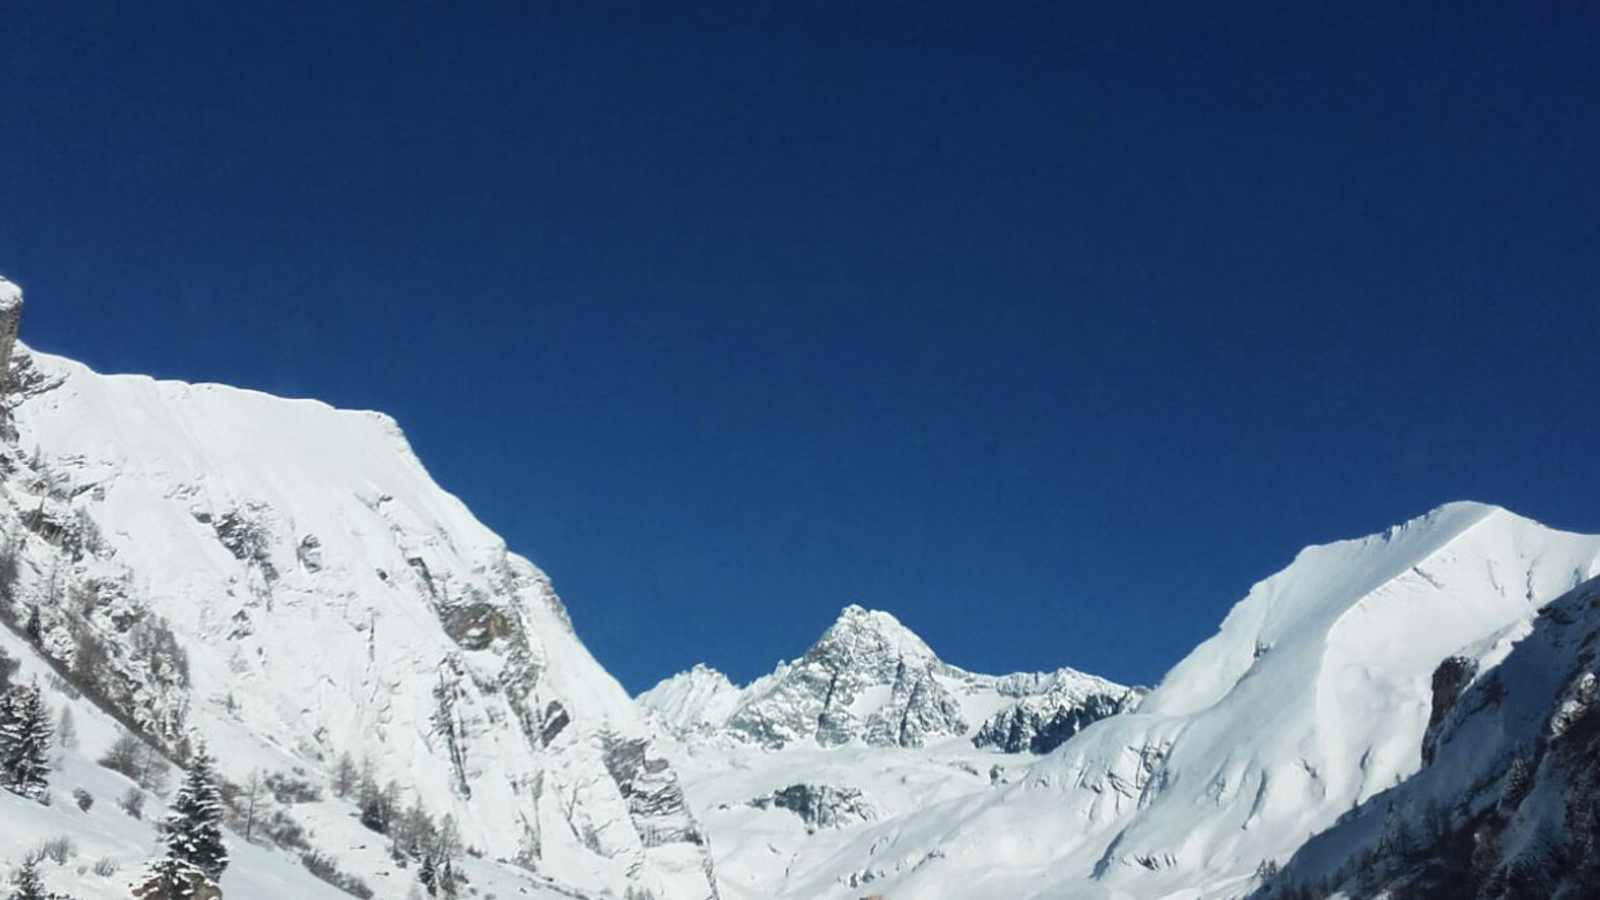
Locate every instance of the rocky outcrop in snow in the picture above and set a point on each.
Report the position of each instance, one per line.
(820, 805)
(10, 322)
(1057, 708)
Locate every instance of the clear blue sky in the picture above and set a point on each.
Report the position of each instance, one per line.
(1049, 331)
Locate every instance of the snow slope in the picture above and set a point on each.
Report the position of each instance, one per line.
(329, 597)
(1508, 800)
(1312, 697)
(866, 726)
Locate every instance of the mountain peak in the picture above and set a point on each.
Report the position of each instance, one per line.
(870, 633)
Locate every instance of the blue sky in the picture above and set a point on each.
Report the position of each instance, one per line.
(1049, 331)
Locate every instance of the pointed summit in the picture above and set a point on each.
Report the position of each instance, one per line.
(871, 637)
(868, 678)
(694, 700)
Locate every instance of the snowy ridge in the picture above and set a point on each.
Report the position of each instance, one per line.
(1508, 800)
(1313, 697)
(699, 699)
(330, 598)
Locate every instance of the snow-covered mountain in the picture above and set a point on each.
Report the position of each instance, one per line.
(1408, 712)
(1313, 697)
(866, 726)
(872, 681)
(284, 580)
(1507, 804)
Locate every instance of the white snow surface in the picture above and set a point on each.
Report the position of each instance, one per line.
(760, 851)
(354, 595)
(330, 597)
(1312, 697)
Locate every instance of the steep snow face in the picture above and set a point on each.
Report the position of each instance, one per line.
(1312, 697)
(329, 597)
(1508, 802)
(697, 700)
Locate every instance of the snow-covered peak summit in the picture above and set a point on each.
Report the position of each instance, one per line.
(871, 637)
(10, 294)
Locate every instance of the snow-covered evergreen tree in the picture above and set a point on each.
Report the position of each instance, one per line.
(192, 831)
(428, 875)
(26, 884)
(345, 775)
(172, 878)
(25, 736)
(7, 667)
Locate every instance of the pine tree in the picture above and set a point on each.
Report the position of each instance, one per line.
(447, 879)
(171, 878)
(345, 775)
(428, 876)
(26, 884)
(33, 628)
(25, 736)
(7, 667)
(193, 828)
(1518, 782)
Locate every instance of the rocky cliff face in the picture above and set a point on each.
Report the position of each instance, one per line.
(285, 579)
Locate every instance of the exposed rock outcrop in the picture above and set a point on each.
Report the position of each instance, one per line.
(820, 805)
(1044, 721)
(10, 323)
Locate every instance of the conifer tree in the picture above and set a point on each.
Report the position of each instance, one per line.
(345, 775)
(7, 667)
(170, 878)
(25, 735)
(193, 828)
(428, 875)
(26, 884)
